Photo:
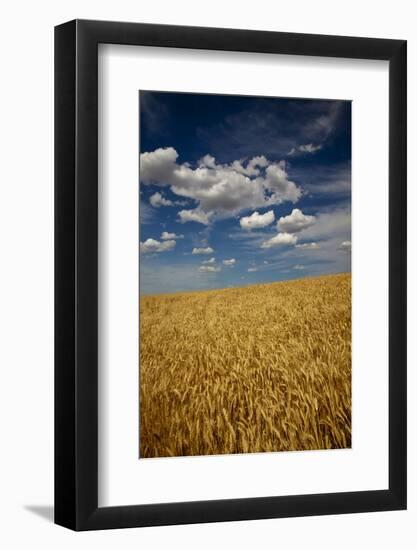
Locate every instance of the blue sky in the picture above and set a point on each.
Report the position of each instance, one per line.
(238, 190)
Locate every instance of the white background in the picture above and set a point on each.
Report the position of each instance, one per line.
(123, 479)
(26, 301)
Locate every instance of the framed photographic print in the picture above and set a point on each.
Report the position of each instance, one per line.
(230, 338)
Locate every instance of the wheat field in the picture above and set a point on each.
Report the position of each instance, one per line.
(256, 369)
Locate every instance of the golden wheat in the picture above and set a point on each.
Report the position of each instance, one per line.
(260, 368)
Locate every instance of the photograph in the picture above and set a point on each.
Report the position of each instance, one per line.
(193, 352)
(245, 274)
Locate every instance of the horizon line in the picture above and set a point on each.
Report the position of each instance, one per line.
(193, 291)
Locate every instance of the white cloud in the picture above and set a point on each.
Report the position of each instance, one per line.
(279, 240)
(332, 224)
(220, 190)
(230, 262)
(195, 215)
(252, 269)
(295, 222)
(210, 261)
(256, 220)
(281, 187)
(207, 250)
(208, 161)
(319, 241)
(170, 236)
(158, 200)
(299, 266)
(307, 246)
(209, 269)
(252, 166)
(307, 148)
(152, 245)
(345, 245)
(157, 167)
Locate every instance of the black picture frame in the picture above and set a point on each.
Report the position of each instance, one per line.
(76, 272)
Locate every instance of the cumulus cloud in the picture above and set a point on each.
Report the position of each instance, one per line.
(299, 267)
(170, 236)
(278, 183)
(307, 148)
(209, 269)
(252, 269)
(307, 246)
(210, 261)
(152, 245)
(252, 168)
(279, 240)
(295, 222)
(207, 250)
(230, 262)
(208, 161)
(256, 220)
(345, 245)
(220, 190)
(195, 215)
(158, 200)
(157, 166)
